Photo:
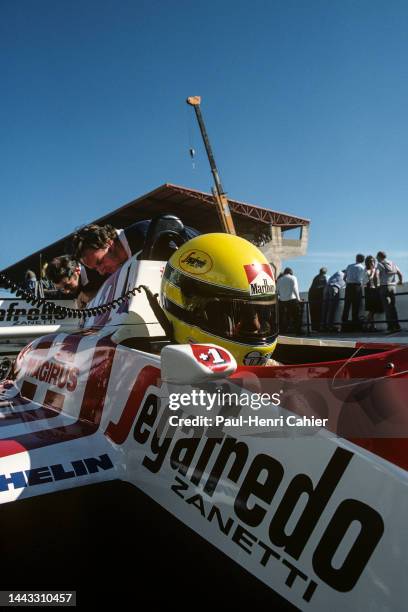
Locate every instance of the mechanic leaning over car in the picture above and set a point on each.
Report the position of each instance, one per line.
(105, 248)
(71, 277)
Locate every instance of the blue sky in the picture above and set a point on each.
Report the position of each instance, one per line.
(305, 103)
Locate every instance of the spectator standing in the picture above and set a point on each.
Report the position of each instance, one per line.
(354, 293)
(289, 302)
(331, 301)
(371, 292)
(30, 281)
(388, 274)
(315, 297)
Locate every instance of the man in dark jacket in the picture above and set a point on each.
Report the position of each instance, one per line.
(315, 297)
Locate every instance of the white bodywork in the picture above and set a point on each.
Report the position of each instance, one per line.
(320, 520)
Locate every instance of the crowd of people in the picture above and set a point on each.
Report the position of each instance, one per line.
(369, 286)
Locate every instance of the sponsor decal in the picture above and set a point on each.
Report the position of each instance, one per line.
(196, 262)
(52, 373)
(260, 278)
(216, 359)
(93, 399)
(255, 358)
(276, 520)
(54, 473)
(15, 314)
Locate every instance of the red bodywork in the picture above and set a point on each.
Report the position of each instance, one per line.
(391, 363)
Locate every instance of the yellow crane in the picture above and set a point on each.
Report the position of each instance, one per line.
(218, 192)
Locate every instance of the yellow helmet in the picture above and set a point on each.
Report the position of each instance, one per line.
(220, 288)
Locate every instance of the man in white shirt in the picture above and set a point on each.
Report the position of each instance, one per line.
(354, 294)
(289, 302)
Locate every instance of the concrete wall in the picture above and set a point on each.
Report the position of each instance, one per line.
(280, 248)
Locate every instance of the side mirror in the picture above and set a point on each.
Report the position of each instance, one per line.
(191, 364)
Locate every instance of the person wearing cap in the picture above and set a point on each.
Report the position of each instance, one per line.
(315, 297)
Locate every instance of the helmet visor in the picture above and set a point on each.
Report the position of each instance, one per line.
(251, 321)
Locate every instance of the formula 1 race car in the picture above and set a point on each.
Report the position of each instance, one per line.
(123, 453)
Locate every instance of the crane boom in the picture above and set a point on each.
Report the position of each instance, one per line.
(219, 194)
